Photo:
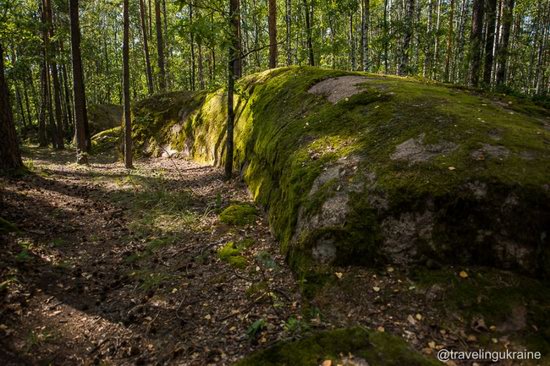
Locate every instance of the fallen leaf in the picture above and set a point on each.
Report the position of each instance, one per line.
(452, 168)
(376, 288)
(339, 275)
(463, 274)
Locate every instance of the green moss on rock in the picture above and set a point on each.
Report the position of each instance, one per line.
(108, 140)
(239, 214)
(374, 347)
(401, 171)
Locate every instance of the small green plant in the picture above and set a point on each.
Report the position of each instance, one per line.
(218, 201)
(257, 289)
(231, 252)
(255, 328)
(294, 325)
(35, 338)
(150, 280)
(58, 242)
(266, 260)
(7, 226)
(24, 255)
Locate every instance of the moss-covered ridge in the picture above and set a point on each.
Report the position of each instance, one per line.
(402, 171)
(340, 346)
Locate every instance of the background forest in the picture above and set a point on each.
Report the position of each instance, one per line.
(174, 45)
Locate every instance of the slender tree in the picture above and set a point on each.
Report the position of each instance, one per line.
(79, 96)
(58, 130)
(44, 104)
(475, 41)
(192, 44)
(450, 38)
(148, 71)
(160, 47)
(489, 41)
(10, 155)
(365, 19)
(231, 75)
(404, 66)
(502, 55)
(126, 88)
(288, 21)
(308, 18)
(272, 26)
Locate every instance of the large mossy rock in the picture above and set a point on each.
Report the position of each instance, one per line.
(357, 168)
(103, 117)
(357, 345)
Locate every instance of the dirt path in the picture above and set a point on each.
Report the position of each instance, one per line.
(122, 267)
(110, 266)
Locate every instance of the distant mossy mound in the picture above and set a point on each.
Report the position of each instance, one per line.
(355, 344)
(358, 168)
(102, 117)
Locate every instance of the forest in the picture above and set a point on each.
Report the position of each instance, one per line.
(278, 182)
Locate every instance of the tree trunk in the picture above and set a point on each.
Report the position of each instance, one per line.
(475, 41)
(365, 19)
(192, 44)
(386, 40)
(81, 118)
(10, 155)
(404, 67)
(435, 62)
(450, 36)
(231, 71)
(502, 54)
(272, 25)
(168, 49)
(148, 71)
(126, 89)
(288, 19)
(201, 68)
(353, 63)
(239, 49)
(27, 106)
(68, 106)
(542, 47)
(160, 47)
(19, 100)
(44, 104)
(309, 39)
(489, 41)
(56, 129)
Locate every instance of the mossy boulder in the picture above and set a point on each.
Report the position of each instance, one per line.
(239, 214)
(373, 348)
(108, 140)
(103, 117)
(358, 168)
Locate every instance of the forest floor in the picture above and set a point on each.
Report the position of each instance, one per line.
(120, 266)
